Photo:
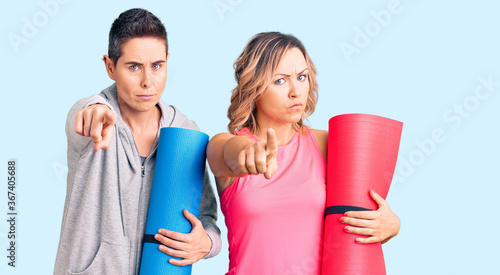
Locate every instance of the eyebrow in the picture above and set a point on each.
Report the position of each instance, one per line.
(289, 75)
(138, 63)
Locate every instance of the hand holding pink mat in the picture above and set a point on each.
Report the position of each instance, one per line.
(362, 154)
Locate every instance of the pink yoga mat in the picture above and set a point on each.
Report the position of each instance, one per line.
(362, 154)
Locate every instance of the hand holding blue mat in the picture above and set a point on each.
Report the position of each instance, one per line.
(177, 185)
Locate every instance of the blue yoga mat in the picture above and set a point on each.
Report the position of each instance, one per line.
(177, 185)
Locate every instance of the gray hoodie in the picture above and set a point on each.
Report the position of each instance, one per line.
(107, 197)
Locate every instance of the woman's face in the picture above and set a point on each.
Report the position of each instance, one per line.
(140, 74)
(285, 98)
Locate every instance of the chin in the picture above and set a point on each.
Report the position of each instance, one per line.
(296, 119)
(146, 107)
(291, 121)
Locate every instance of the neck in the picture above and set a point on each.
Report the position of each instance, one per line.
(141, 122)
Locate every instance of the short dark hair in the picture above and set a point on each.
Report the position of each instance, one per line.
(131, 24)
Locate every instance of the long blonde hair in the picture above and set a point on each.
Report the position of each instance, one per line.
(254, 70)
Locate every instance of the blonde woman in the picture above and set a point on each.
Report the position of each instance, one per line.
(270, 168)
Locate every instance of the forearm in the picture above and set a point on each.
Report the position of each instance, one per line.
(231, 154)
(208, 217)
(214, 233)
(223, 152)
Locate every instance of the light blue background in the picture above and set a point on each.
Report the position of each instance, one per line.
(427, 59)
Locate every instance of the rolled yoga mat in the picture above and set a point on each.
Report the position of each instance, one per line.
(362, 154)
(177, 185)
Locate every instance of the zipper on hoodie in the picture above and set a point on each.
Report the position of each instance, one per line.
(143, 174)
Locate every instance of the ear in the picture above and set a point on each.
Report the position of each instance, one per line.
(110, 66)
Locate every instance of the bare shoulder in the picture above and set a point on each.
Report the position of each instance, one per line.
(321, 137)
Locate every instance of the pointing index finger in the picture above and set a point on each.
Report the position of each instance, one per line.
(272, 144)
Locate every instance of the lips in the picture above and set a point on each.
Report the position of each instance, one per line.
(146, 97)
(296, 106)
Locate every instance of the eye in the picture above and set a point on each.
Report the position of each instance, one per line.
(134, 67)
(156, 66)
(279, 81)
(302, 77)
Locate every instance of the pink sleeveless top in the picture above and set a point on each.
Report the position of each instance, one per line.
(276, 226)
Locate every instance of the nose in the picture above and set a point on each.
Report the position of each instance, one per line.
(146, 79)
(293, 92)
